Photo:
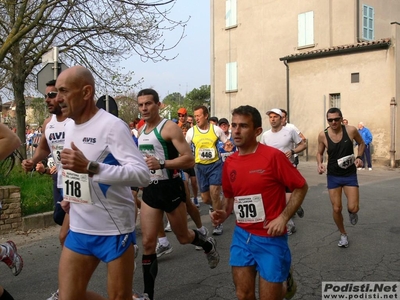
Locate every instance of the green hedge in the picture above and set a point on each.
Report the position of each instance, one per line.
(36, 190)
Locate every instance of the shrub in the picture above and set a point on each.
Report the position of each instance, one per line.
(36, 190)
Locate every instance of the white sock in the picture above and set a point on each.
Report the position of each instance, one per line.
(202, 230)
(163, 241)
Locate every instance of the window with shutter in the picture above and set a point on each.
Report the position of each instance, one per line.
(305, 29)
(231, 77)
(231, 14)
(368, 23)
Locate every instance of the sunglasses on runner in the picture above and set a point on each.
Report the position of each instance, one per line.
(335, 119)
(51, 95)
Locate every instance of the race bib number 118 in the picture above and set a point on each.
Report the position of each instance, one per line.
(76, 187)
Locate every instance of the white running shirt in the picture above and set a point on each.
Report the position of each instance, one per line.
(55, 137)
(282, 140)
(107, 140)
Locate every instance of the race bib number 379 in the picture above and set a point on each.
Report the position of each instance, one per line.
(249, 209)
(76, 187)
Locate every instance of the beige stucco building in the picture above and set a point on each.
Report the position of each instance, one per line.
(308, 56)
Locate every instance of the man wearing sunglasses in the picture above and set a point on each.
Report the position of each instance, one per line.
(182, 117)
(341, 168)
(52, 143)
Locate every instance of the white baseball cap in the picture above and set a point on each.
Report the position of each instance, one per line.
(275, 111)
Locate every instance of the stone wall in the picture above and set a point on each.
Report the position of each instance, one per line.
(11, 217)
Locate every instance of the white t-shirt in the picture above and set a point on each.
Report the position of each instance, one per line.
(291, 126)
(55, 137)
(107, 140)
(282, 140)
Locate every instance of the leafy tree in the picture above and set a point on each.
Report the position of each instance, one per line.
(174, 102)
(40, 111)
(127, 107)
(195, 97)
(200, 96)
(93, 33)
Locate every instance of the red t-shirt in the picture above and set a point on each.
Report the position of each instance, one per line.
(264, 174)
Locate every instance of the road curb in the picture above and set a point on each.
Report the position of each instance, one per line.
(38, 221)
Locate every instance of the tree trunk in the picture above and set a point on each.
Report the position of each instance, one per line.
(18, 78)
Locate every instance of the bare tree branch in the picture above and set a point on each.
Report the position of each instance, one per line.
(98, 34)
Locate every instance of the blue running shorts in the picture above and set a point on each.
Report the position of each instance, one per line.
(270, 255)
(338, 181)
(104, 247)
(209, 175)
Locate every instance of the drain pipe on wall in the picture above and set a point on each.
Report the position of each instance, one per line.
(287, 91)
(392, 151)
(358, 21)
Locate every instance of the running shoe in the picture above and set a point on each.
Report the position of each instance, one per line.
(53, 296)
(136, 247)
(139, 296)
(218, 230)
(168, 227)
(203, 237)
(213, 255)
(161, 250)
(353, 218)
(291, 285)
(12, 259)
(343, 242)
(291, 227)
(300, 212)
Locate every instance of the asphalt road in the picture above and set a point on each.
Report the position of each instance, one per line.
(373, 254)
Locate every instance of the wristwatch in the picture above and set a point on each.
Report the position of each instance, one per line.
(93, 167)
(161, 161)
(293, 153)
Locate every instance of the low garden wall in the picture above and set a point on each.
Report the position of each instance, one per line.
(11, 216)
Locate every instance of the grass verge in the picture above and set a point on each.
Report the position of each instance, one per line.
(36, 190)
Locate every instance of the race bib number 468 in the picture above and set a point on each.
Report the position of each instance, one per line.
(76, 187)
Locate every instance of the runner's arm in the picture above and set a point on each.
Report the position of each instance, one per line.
(320, 153)
(185, 160)
(42, 151)
(277, 226)
(9, 141)
(219, 216)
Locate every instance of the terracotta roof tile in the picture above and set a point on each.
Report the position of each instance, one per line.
(341, 49)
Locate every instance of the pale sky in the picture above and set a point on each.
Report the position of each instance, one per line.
(191, 69)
